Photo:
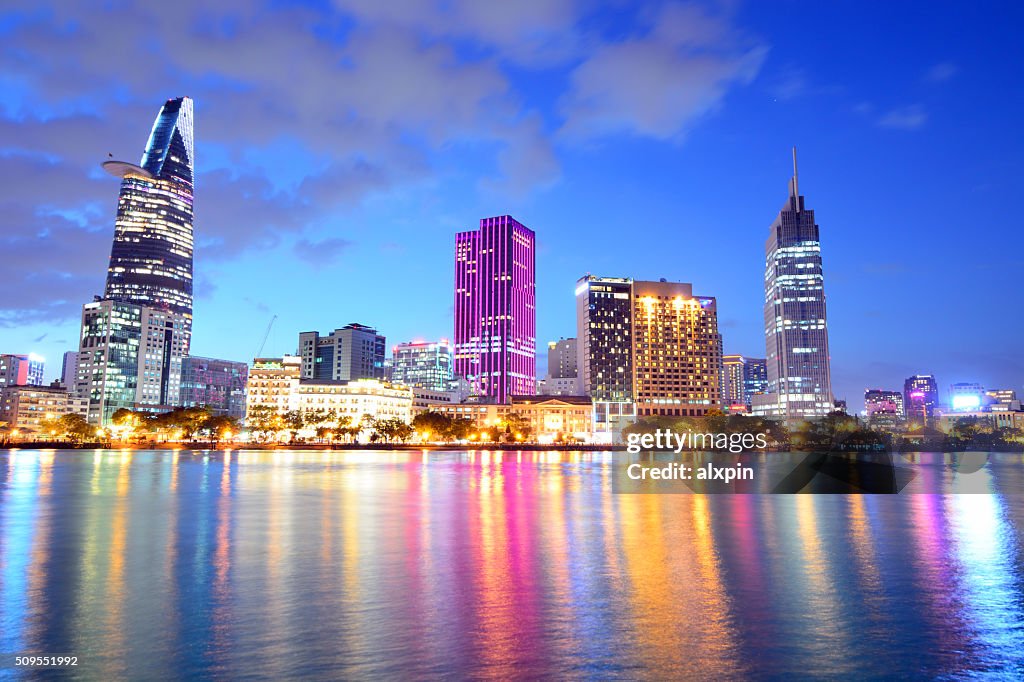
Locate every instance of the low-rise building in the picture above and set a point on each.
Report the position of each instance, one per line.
(25, 408)
(548, 418)
(945, 419)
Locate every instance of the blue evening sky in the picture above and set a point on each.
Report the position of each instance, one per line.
(341, 145)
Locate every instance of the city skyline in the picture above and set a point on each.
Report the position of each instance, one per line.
(616, 173)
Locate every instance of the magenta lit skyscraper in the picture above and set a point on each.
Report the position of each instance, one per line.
(495, 310)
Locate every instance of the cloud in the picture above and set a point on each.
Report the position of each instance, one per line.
(910, 117)
(321, 253)
(305, 110)
(941, 73)
(659, 82)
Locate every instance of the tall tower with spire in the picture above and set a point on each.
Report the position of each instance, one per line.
(151, 257)
(135, 336)
(795, 324)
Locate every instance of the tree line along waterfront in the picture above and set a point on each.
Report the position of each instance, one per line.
(266, 427)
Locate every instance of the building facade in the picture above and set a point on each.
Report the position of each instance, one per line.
(423, 364)
(795, 321)
(21, 370)
(548, 418)
(884, 408)
(219, 385)
(966, 396)
(69, 370)
(562, 376)
(151, 256)
(677, 350)
(920, 398)
(744, 378)
(130, 357)
(495, 308)
(356, 400)
(352, 352)
(604, 342)
(272, 383)
(25, 408)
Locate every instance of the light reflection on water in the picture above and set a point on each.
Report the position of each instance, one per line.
(493, 565)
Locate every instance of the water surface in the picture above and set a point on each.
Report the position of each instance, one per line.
(276, 565)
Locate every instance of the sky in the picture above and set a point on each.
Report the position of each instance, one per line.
(340, 145)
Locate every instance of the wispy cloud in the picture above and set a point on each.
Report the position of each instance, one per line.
(911, 117)
(321, 253)
(941, 72)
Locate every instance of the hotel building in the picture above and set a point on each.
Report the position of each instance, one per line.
(25, 408)
(495, 308)
(271, 383)
(677, 350)
(795, 323)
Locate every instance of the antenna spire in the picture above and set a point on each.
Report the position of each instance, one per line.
(794, 187)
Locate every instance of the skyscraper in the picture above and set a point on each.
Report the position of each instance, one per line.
(151, 257)
(423, 364)
(677, 350)
(920, 397)
(352, 352)
(796, 332)
(744, 378)
(495, 308)
(133, 340)
(129, 357)
(604, 341)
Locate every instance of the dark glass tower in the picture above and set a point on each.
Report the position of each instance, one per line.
(796, 332)
(151, 258)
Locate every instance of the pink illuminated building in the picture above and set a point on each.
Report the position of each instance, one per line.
(495, 312)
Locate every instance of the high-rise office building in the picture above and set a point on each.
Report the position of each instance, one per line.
(423, 364)
(133, 340)
(69, 370)
(21, 370)
(796, 331)
(562, 376)
(744, 378)
(495, 308)
(920, 398)
(604, 341)
(151, 256)
(215, 384)
(878, 401)
(352, 352)
(130, 357)
(677, 350)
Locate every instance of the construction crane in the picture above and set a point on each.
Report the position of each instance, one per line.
(266, 335)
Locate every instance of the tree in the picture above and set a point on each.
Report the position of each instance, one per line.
(433, 425)
(220, 426)
(263, 419)
(460, 428)
(76, 427)
(392, 429)
(295, 420)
